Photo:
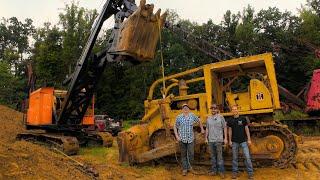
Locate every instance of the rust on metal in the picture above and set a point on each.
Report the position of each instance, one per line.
(107, 139)
(139, 33)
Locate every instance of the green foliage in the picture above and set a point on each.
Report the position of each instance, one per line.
(314, 6)
(128, 123)
(56, 50)
(279, 115)
(9, 86)
(246, 34)
(49, 65)
(310, 26)
(76, 25)
(14, 47)
(5, 81)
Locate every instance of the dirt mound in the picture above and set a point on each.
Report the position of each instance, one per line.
(24, 160)
(11, 124)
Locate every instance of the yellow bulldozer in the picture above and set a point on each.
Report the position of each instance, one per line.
(248, 82)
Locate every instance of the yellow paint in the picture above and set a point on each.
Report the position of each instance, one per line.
(259, 95)
(239, 99)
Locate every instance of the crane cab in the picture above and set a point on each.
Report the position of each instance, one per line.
(249, 83)
(45, 105)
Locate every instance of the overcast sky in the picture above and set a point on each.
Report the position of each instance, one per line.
(195, 10)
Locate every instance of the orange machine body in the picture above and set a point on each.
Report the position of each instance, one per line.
(43, 105)
(88, 118)
(40, 107)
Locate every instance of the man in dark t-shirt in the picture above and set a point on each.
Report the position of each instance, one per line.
(239, 136)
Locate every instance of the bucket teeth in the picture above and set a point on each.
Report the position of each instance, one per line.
(157, 14)
(139, 33)
(163, 16)
(142, 3)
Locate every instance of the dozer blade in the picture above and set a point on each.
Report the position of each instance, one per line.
(107, 139)
(127, 154)
(139, 34)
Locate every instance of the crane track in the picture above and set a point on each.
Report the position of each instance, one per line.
(67, 144)
(290, 145)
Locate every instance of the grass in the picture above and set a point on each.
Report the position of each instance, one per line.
(279, 115)
(100, 154)
(146, 169)
(94, 151)
(128, 123)
(308, 130)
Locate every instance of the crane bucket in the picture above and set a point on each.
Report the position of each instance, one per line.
(139, 33)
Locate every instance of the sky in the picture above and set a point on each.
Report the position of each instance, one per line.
(200, 11)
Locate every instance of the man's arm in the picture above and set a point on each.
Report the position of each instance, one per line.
(201, 126)
(225, 129)
(248, 134)
(176, 131)
(247, 130)
(230, 135)
(207, 132)
(196, 119)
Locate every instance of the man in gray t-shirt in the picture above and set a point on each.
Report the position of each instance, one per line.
(216, 135)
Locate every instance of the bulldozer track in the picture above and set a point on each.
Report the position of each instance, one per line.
(259, 130)
(282, 131)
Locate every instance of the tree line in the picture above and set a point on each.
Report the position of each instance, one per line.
(53, 50)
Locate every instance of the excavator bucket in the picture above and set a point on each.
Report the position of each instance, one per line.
(139, 34)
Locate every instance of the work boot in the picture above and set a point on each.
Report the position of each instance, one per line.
(250, 177)
(184, 172)
(212, 173)
(234, 175)
(222, 176)
(191, 170)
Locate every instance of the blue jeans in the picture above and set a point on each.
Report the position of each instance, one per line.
(187, 154)
(216, 156)
(246, 153)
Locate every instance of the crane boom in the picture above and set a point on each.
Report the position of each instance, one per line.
(88, 71)
(218, 54)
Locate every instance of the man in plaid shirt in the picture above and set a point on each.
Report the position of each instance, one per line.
(183, 130)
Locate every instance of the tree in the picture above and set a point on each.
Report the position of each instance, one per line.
(14, 51)
(76, 24)
(9, 86)
(15, 41)
(227, 35)
(246, 33)
(47, 58)
(315, 5)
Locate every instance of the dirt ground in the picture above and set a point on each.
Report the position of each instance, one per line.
(24, 160)
(105, 161)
